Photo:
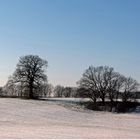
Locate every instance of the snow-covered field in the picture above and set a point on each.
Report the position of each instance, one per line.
(50, 119)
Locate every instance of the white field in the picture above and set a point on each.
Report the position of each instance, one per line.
(48, 119)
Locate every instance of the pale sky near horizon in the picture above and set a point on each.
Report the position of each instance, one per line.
(71, 35)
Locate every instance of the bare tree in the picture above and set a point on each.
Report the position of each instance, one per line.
(96, 80)
(115, 83)
(46, 89)
(58, 91)
(49, 89)
(1, 91)
(88, 84)
(73, 92)
(10, 87)
(30, 72)
(129, 89)
(119, 86)
(67, 92)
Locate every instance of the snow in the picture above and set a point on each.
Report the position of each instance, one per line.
(49, 119)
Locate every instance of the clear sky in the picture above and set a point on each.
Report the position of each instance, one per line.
(71, 35)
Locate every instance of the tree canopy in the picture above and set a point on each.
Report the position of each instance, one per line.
(30, 73)
(103, 81)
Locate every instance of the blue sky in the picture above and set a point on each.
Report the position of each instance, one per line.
(71, 35)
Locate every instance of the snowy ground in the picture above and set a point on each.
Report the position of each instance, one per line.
(50, 119)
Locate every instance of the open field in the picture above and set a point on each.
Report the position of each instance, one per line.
(50, 119)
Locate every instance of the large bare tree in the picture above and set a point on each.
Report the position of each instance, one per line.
(30, 72)
(96, 80)
(101, 82)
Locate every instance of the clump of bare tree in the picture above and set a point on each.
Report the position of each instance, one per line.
(61, 91)
(101, 83)
(58, 91)
(45, 90)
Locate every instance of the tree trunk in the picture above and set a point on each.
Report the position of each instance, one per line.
(94, 100)
(103, 100)
(31, 93)
(111, 105)
(31, 90)
(102, 96)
